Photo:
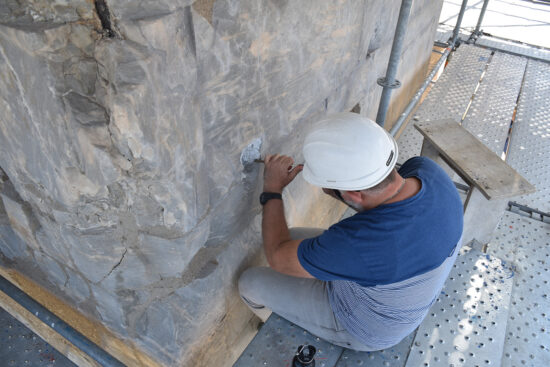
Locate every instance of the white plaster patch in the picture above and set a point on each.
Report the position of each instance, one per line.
(251, 152)
(169, 218)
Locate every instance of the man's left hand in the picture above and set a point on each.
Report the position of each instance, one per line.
(279, 172)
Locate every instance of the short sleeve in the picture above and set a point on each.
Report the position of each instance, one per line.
(331, 256)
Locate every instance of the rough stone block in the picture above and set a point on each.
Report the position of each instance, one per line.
(11, 246)
(38, 14)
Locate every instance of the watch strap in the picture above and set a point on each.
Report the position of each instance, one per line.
(266, 196)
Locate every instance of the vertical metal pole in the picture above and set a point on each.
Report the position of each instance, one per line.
(481, 15)
(456, 31)
(389, 81)
(407, 111)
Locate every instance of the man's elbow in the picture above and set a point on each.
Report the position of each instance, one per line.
(279, 261)
(274, 261)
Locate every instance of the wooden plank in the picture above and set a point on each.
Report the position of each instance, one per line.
(122, 350)
(473, 161)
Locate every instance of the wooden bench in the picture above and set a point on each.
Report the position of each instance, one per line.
(492, 182)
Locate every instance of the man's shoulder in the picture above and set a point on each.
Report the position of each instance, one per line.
(424, 168)
(418, 162)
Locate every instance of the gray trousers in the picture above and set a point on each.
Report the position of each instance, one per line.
(302, 301)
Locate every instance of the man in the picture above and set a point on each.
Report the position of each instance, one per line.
(369, 280)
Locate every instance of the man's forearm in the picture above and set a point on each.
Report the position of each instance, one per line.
(274, 228)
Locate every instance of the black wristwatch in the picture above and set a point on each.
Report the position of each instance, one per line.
(266, 196)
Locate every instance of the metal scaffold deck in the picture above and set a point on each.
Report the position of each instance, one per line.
(491, 112)
(449, 97)
(20, 347)
(493, 309)
(529, 151)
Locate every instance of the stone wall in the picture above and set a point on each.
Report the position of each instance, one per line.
(121, 128)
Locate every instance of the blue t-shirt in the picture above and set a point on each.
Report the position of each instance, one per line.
(391, 242)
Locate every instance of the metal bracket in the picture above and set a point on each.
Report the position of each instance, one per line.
(528, 211)
(384, 83)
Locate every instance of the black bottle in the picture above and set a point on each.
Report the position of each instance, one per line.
(304, 356)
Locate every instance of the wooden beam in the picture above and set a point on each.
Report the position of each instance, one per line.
(473, 161)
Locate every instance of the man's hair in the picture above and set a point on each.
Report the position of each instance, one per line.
(385, 182)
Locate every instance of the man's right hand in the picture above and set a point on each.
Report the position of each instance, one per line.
(278, 172)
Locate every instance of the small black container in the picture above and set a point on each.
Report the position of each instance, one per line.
(304, 356)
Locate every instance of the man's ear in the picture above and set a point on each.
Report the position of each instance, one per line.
(354, 196)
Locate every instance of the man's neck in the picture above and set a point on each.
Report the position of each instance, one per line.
(399, 190)
(411, 188)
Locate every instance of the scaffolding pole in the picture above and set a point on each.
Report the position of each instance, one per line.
(456, 31)
(414, 101)
(477, 31)
(389, 82)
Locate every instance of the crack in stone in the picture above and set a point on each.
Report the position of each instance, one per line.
(116, 265)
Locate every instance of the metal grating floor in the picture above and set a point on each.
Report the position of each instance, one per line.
(449, 96)
(277, 342)
(492, 108)
(525, 246)
(466, 325)
(20, 347)
(453, 91)
(392, 357)
(529, 151)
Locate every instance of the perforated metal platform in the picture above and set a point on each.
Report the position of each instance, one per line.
(391, 357)
(492, 108)
(451, 95)
(525, 245)
(529, 151)
(277, 342)
(20, 347)
(515, 48)
(466, 325)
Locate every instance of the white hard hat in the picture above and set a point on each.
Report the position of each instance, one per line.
(347, 151)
